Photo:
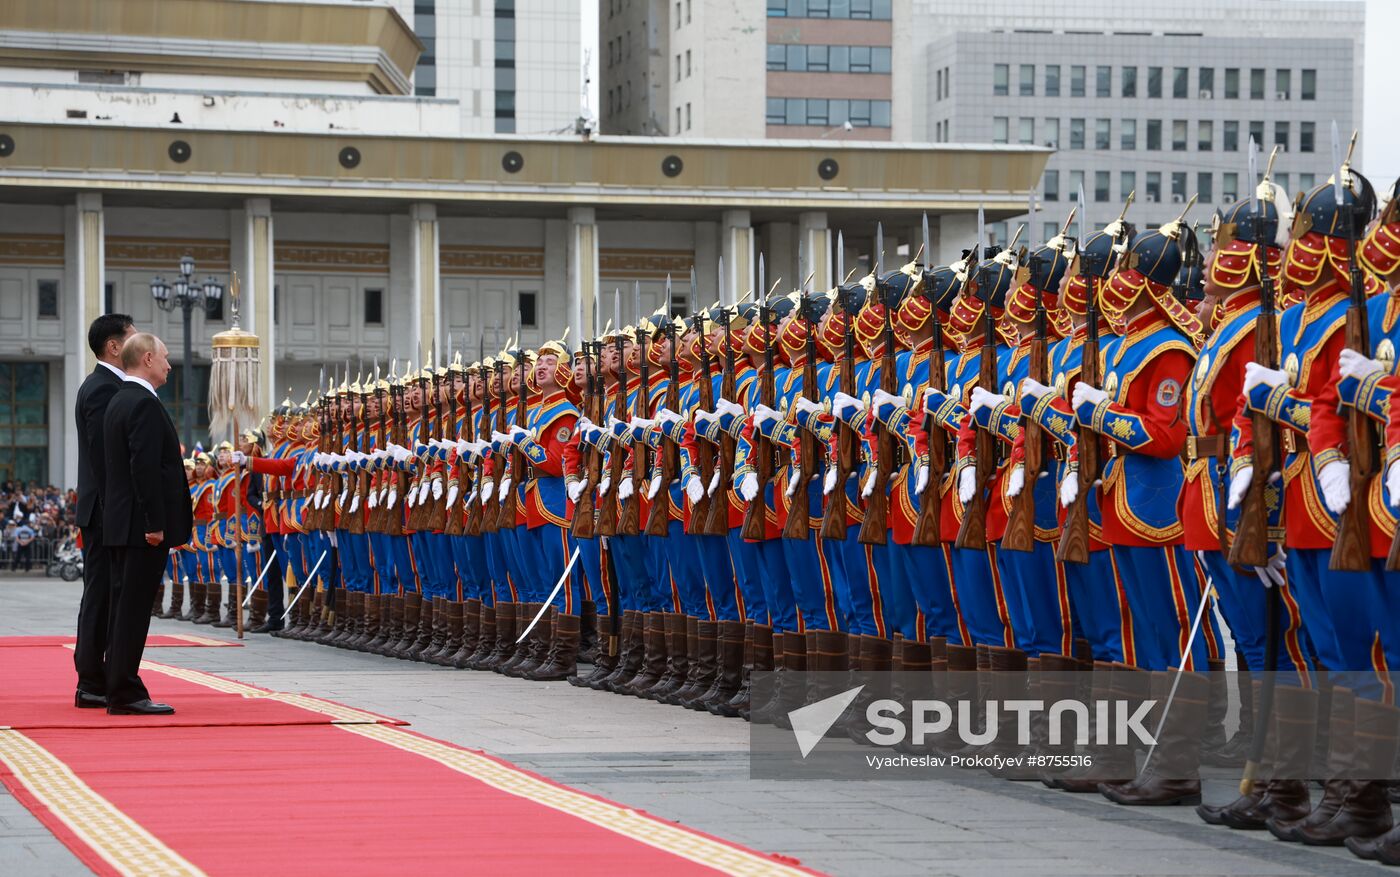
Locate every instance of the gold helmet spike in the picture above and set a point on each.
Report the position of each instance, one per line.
(1178, 226)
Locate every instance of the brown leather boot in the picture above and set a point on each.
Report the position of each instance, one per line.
(678, 652)
(257, 609)
(337, 611)
(653, 665)
(758, 657)
(729, 667)
(604, 659)
(1173, 774)
(471, 634)
(1287, 752)
(745, 671)
(1058, 681)
(486, 638)
(426, 614)
(452, 630)
(350, 619)
(301, 616)
(384, 624)
(1234, 751)
(588, 635)
(703, 662)
(231, 607)
(441, 630)
(759, 703)
(629, 653)
(504, 646)
(159, 601)
(1108, 682)
(408, 634)
(797, 647)
(196, 602)
(958, 685)
(319, 620)
(520, 648)
(213, 599)
(535, 650)
(876, 656)
(562, 660)
(1363, 808)
(369, 626)
(177, 599)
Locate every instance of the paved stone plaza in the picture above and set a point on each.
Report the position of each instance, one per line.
(693, 768)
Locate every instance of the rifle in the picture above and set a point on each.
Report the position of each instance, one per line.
(607, 524)
(435, 515)
(718, 519)
(629, 515)
(475, 512)
(847, 442)
(377, 517)
(582, 523)
(973, 531)
(455, 524)
(519, 465)
(928, 527)
(659, 518)
(358, 480)
(874, 529)
(1251, 545)
(798, 525)
(700, 524)
(1351, 550)
(754, 527)
(1074, 539)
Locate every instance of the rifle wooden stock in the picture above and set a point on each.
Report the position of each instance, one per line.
(659, 517)
(834, 515)
(1020, 522)
(756, 513)
(972, 533)
(717, 521)
(1074, 538)
(874, 528)
(1351, 550)
(700, 523)
(928, 527)
(798, 523)
(584, 510)
(1251, 543)
(608, 511)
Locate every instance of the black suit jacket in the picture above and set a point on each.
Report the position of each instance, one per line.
(93, 397)
(145, 489)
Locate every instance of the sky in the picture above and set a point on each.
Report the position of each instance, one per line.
(1380, 132)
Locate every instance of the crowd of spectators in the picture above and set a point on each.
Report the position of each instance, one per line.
(35, 519)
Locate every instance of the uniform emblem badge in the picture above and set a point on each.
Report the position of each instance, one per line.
(1202, 369)
(1168, 393)
(1385, 354)
(1060, 381)
(1110, 386)
(955, 391)
(1008, 389)
(562, 435)
(1290, 368)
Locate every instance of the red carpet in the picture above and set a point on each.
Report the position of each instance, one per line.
(160, 640)
(309, 798)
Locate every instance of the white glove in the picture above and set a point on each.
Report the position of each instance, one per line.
(982, 399)
(393, 498)
(503, 438)
(1239, 485)
(1272, 573)
(805, 405)
(1016, 481)
(582, 423)
(1083, 393)
(880, 397)
(625, 489)
(471, 497)
(520, 433)
(921, 480)
(666, 416)
(869, 486)
(714, 483)
(841, 402)
(1069, 489)
(654, 486)
(437, 488)
(694, 489)
(576, 490)
(1392, 482)
(343, 494)
(748, 487)
(486, 490)
(967, 483)
(316, 500)
(642, 423)
(452, 492)
(703, 417)
(423, 491)
(374, 499)
(724, 406)
(793, 482)
(354, 503)
(239, 458)
(1256, 374)
(411, 497)
(505, 487)
(605, 485)
(1032, 387)
(829, 482)
(762, 414)
(1335, 481)
(928, 403)
(1357, 365)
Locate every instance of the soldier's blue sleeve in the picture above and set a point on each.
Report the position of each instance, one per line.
(1282, 405)
(1366, 395)
(1056, 423)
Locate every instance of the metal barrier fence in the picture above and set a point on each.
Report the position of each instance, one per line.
(15, 559)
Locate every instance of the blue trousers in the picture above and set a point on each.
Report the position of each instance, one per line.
(588, 583)
(748, 574)
(552, 546)
(812, 582)
(687, 573)
(721, 577)
(1037, 600)
(1163, 593)
(871, 587)
(1343, 613)
(776, 579)
(1095, 605)
(980, 597)
(928, 573)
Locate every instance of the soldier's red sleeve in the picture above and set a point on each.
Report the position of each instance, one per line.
(1392, 428)
(967, 436)
(1327, 422)
(571, 456)
(1152, 422)
(556, 445)
(277, 467)
(917, 434)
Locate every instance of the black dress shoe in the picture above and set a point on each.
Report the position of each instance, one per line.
(84, 701)
(145, 707)
(269, 626)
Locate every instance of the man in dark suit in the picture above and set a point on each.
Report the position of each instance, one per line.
(145, 513)
(105, 338)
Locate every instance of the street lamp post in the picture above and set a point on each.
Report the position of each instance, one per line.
(186, 294)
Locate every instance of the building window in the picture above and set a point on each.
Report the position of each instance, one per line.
(1232, 83)
(1027, 80)
(938, 80)
(678, 120)
(1154, 81)
(820, 111)
(1229, 186)
(777, 57)
(1283, 84)
(687, 115)
(1283, 181)
(1281, 135)
(1154, 134)
(819, 9)
(1178, 135)
(1052, 133)
(1103, 134)
(777, 111)
(999, 129)
(678, 15)
(1309, 85)
(1180, 82)
(1127, 138)
(1206, 83)
(1102, 181)
(998, 231)
(1256, 133)
(1103, 81)
(24, 421)
(818, 59)
(1127, 184)
(1256, 83)
(526, 302)
(1076, 133)
(1048, 230)
(1052, 185)
(1076, 183)
(1076, 80)
(109, 298)
(1307, 135)
(1205, 135)
(1001, 80)
(1178, 187)
(1154, 186)
(1231, 138)
(1129, 82)
(374, 307)
(1306, 182)
(48, 299)
(1052, 80)
(1205, 186)
(678, 67)
(1026, 130)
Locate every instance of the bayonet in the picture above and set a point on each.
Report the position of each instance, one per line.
(841, 257)
(927, 246)
(879, 249)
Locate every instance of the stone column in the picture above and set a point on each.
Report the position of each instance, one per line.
(816, 251)
(427, 291)
(737, 248)
(955, 233)
(582, 276)
(83, 301)
(252, 253)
